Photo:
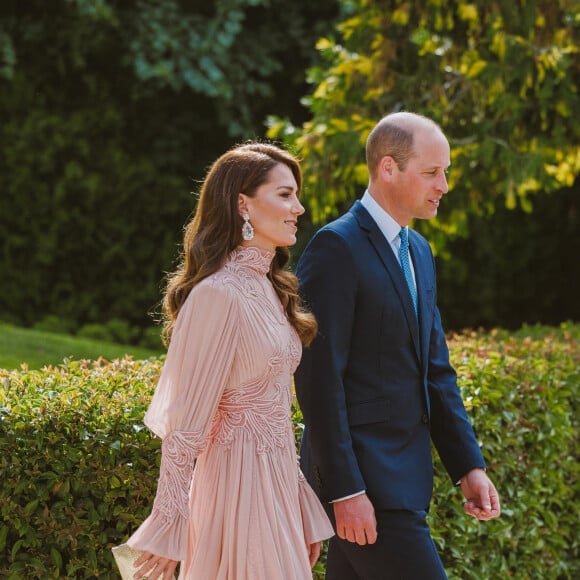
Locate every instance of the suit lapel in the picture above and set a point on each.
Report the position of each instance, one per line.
(391, 264)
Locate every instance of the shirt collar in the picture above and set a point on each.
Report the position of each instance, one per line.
(388, 226)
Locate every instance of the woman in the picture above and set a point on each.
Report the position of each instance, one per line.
(235, 329)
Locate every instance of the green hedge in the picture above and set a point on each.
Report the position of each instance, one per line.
(521, 391)
(78, 469)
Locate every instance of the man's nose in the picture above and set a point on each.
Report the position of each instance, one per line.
(442, 184)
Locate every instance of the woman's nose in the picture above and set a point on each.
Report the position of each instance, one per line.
(298, 208)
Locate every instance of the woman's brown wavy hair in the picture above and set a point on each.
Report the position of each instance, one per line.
(216, 230)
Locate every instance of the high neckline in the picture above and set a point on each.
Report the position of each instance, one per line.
(253, 258)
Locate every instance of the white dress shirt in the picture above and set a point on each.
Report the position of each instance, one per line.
(388, 226)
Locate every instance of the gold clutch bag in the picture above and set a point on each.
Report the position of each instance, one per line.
(125, 557)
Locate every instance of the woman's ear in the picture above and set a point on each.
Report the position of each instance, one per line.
(242, 205)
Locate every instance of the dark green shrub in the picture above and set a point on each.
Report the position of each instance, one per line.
(96, 332)
(151, 338)
(78, 469)
(521, 392)
(106, 130)
(54, 324)
(121, 332)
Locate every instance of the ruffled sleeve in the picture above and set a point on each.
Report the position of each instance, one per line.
(194, 376)
(317, 526)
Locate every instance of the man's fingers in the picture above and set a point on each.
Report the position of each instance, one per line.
(351, 535)
(360, 536)
(472, 509)
(355, 520)
(371, 535)
(494, 498)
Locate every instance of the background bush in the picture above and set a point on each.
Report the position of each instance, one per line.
(110, 115)
(79, 470)
(78, 467)
(521, 391)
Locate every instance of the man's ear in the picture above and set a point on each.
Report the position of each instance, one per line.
(387, 166)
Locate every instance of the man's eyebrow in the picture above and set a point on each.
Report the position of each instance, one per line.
(435, 166)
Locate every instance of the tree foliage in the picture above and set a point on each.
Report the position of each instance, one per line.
(108, 111)
(502, 78)
(231, 51)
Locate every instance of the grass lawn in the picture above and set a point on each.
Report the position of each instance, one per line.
(37, 348)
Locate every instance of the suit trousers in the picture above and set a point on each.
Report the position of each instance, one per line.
(404, 550)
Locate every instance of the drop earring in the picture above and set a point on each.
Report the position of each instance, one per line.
(247, 229)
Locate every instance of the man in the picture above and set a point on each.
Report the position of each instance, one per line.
(376, 386)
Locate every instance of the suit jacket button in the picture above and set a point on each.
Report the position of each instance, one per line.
(425, 418)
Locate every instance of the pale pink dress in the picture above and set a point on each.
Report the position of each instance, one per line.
(223, 402)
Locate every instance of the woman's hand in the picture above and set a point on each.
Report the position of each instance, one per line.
(158, 567)
(313, 553)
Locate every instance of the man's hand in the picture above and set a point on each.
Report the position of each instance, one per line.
(482, 499)
(355, 520)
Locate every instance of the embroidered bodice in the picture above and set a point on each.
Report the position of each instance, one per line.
(258, 405)
(245, 258)
(227, 380)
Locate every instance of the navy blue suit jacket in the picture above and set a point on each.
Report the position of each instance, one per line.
(376, 386)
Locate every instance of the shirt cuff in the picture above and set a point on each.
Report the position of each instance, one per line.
(349, 496)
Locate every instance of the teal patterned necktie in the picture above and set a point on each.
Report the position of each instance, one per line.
(406, 266)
